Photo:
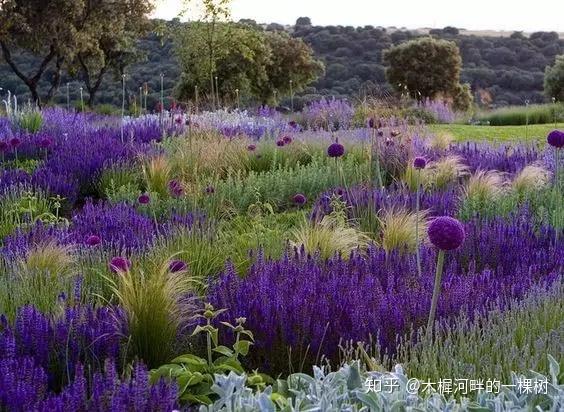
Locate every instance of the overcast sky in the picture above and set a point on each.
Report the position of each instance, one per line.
(526, 15)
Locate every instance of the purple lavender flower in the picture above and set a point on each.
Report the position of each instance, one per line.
(120, 264)
(336, 149)
(446, 233)
(556, 139)
(144, 199)
(299, 199)
(93, 240)
(177, 266)
(419, 163)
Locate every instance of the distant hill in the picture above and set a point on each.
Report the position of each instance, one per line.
(503, 68)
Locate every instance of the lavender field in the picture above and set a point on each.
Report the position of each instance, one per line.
(252, 260)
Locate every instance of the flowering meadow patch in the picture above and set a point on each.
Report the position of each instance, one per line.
(148, 263)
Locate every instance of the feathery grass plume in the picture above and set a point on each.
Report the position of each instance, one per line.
(445, 171)
(441, 140)
(329, 236)
(207, 153)
(157, 303)
(157, 173)
(530, 178)
(49, 258)
(399, 229)
(485, 186)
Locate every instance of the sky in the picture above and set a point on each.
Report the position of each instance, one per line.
(524, 15)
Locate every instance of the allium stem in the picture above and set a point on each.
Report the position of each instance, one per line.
(417, 251)
(377, 159)
(436, 289)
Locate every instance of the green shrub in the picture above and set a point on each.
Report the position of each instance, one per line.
(519, 115)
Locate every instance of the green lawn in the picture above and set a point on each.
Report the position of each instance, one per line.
(501, 134)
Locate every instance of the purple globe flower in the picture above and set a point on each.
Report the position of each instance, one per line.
(446, 233)
(93, 240)
(45, 143)
(144, 199)
(251, 148)
(299, 199)
(210, 190)
(280, 143)
(177, 266)
(371, 123)
(119, 264)
(15, 142)
(175, 188)
(336, 149)
(287, 139)
(556, 139)
(293, 124)
(419, 163)
(3, 146)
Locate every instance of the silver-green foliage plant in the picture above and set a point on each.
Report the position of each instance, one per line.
(347, 389)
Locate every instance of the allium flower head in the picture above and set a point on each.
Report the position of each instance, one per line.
(280, 143)
(46, 142)
(446, 233)
(3, 146)
(556, 139)
(144, 199)
(299, 199)
(175, 188)
(293, 124)
(287, 139)
(210, 190)
(15, 142)
(251, 147)
(119, 264)
(336, 149)
(177, 266)
(93, 240)
(419, 163)
(371, 123)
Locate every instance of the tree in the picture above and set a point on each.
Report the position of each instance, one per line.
(111, 49)
(291, 59)
(45, 28)
(210, 34)
(239, 64)
(554, 79)
(425, 68)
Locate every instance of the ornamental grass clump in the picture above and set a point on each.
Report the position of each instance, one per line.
(485, 186)
(446, 171)
(157, 173)
(531, 178)
(402, 230)
(328, 237)
(157, 304)
(445, 233)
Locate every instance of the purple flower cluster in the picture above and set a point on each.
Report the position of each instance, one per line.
(440, 110)
(23, 387)
(381, 295)
(358, 199)
(82, 335)
(328, 114)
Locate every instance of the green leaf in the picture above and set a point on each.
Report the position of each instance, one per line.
(224, 350)
(190, 359)
(242, 347)
(201, 399)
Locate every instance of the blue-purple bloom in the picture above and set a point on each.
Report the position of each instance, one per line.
(419, 163)
(556, 139)
(446, 233)
(120, 264)
(177, 266)
(336, 149)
